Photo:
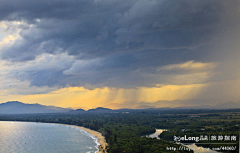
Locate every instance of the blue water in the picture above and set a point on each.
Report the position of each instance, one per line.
(30, 137)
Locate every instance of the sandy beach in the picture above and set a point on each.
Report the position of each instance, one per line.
(101, 138)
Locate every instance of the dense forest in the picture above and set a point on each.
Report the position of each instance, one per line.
(126, 132)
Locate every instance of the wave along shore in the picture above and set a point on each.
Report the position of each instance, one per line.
(101, 139)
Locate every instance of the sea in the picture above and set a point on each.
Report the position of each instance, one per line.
(30, 137)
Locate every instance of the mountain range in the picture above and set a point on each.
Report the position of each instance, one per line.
(16, 107)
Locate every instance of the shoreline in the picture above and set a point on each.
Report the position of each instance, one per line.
(102, 148)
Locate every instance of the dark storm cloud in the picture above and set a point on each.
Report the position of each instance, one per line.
(114, 43)
(90, 29)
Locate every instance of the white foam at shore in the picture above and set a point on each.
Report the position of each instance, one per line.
(91, 136)
(87, 134)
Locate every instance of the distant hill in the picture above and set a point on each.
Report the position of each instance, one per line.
(15, 107)
(77, 111)
(228, 105)
(101, 110)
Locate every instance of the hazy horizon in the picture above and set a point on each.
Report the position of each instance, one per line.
(120, 54)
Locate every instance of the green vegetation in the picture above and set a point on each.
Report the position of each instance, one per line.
(221, 125)
(125, 133)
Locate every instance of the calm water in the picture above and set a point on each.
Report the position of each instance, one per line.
(27, 137)
(157, 133)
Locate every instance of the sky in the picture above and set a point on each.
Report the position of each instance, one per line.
(120, 53)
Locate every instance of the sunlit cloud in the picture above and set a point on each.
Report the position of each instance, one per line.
(8, 40)
(190, 65)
